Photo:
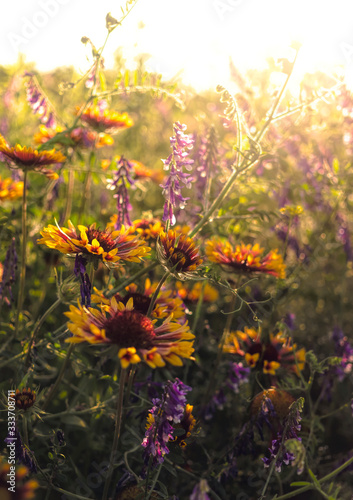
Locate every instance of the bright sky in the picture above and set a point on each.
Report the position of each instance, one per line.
(196, 36)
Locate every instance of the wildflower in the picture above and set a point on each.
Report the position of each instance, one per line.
(238, 376)
(245, 258)
(200, 491)
(25, 398)
(8, 273)
(10, 189)
(217, 402)
(291, 426)
(279, 399)
(39, 102)
(269, 355)
(166, 304)
(85, 284)
(142, 172)
(106, 121)
(178, 254)
(210, 294)
(122, 179)
(187, 423)
(79, 136)
(25, 490)
(137, 336)
(95, 244)
(166, 411)
(181, 144)
(31, 159)
(22, 454)
(344, 350)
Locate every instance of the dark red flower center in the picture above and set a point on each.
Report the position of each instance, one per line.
(104, 238)
(130, 329)
(141, 302)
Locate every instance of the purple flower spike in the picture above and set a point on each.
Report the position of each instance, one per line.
(165, 412)
(200, 491)
(122, 179)
(39, 103)
(85, 284)
(181, 145)
(22, 454)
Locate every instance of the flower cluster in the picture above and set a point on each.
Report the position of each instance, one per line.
(122, 179)
(344, 350)
(267, 355)
(181, 144)
(166, 411)
(245, 258)
(136, 336)
(39, 102)
(22, 454)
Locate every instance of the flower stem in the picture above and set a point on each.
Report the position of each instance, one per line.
(156, 292)
(37, 328)
(119, 411)
(59, 379)
(70, 192)
(25, 430)
(23, 253)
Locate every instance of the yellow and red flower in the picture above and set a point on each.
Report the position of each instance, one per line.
(80, 136)
(32, 159)
(142, 172)
(137, 336)
(178, 254)
(10, 189)
(187, 423)
(167, 303)
(106, 121)
(105, 245)
(245, 258)
(24, 489)
(269, 356)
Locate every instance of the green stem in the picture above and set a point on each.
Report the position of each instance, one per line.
(67, 493)
(119, 411)
(25, 430)
(24, 252)
(156, 292)
(38, 326)
(312, 486)
(70, 193)
(198, 308)
(154, 482)
(130, 280)
(59, 379)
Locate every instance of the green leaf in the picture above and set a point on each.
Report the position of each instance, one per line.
(314, 478)
(300, 483)
(74, 420)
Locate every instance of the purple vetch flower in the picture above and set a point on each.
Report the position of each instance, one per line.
(181, 145)
(344, 350)
(291, 426)
(8, 274)
(166, 411)
(39, 102)
(265, 415)
(206, 161)
(121, 181)
(22, 454)
(238, 376)
(200, 491)
(217, 403)
(289, 320)
(85, 284)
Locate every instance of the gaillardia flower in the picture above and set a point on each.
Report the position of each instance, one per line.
(167, 302)
(9, 189)
(25, 398)
(178, 254)
(245, 258)
(106, 121)
(32, 159)
(269, 355)
(105, 245)
(137, 336)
